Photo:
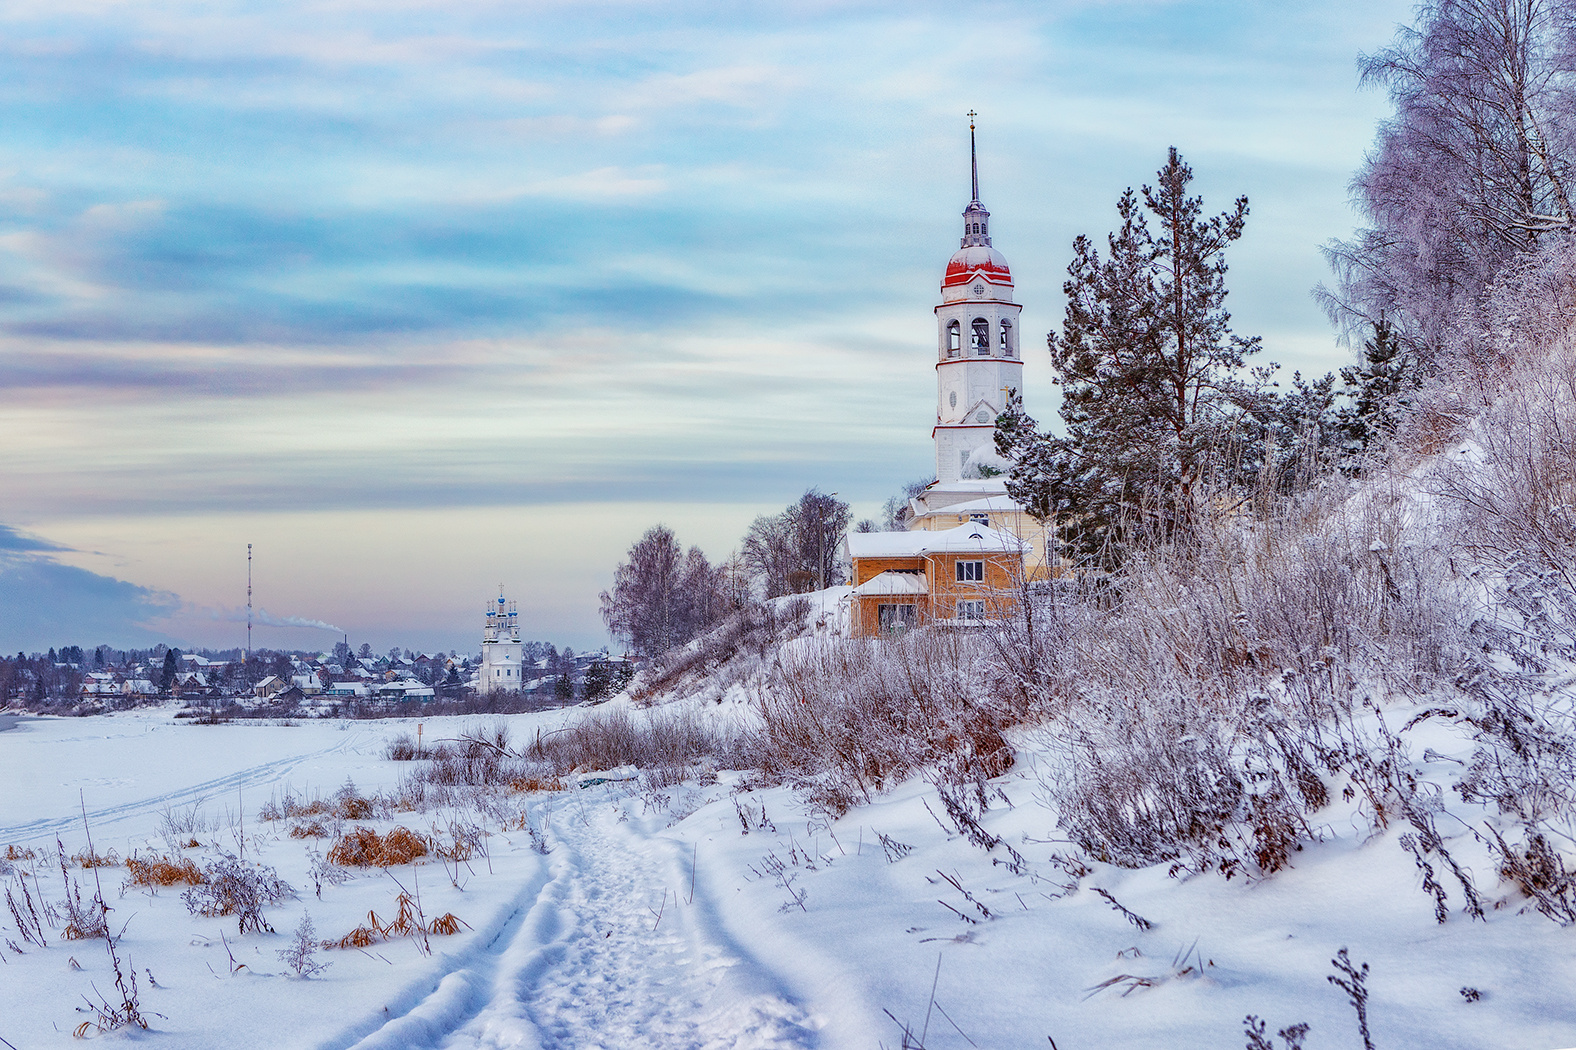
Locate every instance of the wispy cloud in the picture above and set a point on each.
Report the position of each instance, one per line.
(15, 541)
(44, 603)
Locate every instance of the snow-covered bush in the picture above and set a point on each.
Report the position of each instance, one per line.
(300, 956)
(845, 718)
(727, 654)
(1510, 493)
(671, 738)
(1199, 699)
(231, 886)
(1507, 504)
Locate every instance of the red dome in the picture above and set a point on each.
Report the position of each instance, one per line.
(976, 259)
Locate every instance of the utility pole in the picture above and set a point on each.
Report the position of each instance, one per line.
(248, 608)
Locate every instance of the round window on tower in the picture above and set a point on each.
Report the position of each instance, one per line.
(979, 289)
(981, 417)
(952, 399)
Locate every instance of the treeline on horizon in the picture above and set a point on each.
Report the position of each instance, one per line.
(56, 675)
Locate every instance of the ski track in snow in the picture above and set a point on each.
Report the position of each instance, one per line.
(267, 773)
(588, 965)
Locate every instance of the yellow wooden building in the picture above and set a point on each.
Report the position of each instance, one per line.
(966, 576)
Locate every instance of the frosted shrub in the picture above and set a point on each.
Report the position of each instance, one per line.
(846, 718)
(1146, 780)
(741, 642)
(666, 740)
(1199, 697)
(1511, 500)
(300, 955)
(1507, 500)
(234, 887)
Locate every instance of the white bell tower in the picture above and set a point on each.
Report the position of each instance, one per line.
(978, 357)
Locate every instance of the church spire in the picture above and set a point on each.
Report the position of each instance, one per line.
(974, 164)
(976, 220)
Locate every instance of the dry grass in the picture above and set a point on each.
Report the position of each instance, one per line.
(311, 829)
(345, 804)
(536, 783)
(447, 924)
(14, 852)
(365, 848)
(86, 858)
(406, 923)
(666, 740)
(360, 937)
(845, 719)
(162, 871)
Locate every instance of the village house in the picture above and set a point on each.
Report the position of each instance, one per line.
(101, 683)
(965, 576)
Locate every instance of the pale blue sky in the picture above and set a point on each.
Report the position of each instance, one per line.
(424, 297)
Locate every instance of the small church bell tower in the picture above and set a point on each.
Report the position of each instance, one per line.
(979, 363)
(501, 648)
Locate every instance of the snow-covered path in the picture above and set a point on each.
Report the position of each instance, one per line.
(613, 951)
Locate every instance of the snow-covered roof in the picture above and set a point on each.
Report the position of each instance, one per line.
(997, 504)
(966, 538)
(976, 260)
(892, 583)
(997, 484)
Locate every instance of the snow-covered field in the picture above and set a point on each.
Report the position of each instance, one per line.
(713, 915)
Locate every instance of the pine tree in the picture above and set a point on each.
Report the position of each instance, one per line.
(1380, 387)
(1152, 397)
(171, 668)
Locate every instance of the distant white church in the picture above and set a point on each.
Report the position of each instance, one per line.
(500, 647)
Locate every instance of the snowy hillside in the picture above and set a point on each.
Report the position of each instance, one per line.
(714, 914)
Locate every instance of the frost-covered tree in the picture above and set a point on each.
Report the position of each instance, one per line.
(1380, 386)
(1474, 167)
(895, 509)
(797, 550)
(661, 597)
(1152, 391)
(768, 553)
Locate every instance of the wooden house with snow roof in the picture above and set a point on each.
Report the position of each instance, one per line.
(960, 577)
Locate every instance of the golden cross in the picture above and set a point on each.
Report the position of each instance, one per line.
(972, 115)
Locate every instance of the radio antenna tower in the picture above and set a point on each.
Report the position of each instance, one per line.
(248, 603)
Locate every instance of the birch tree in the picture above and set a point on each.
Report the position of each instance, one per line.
(1474, 168)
